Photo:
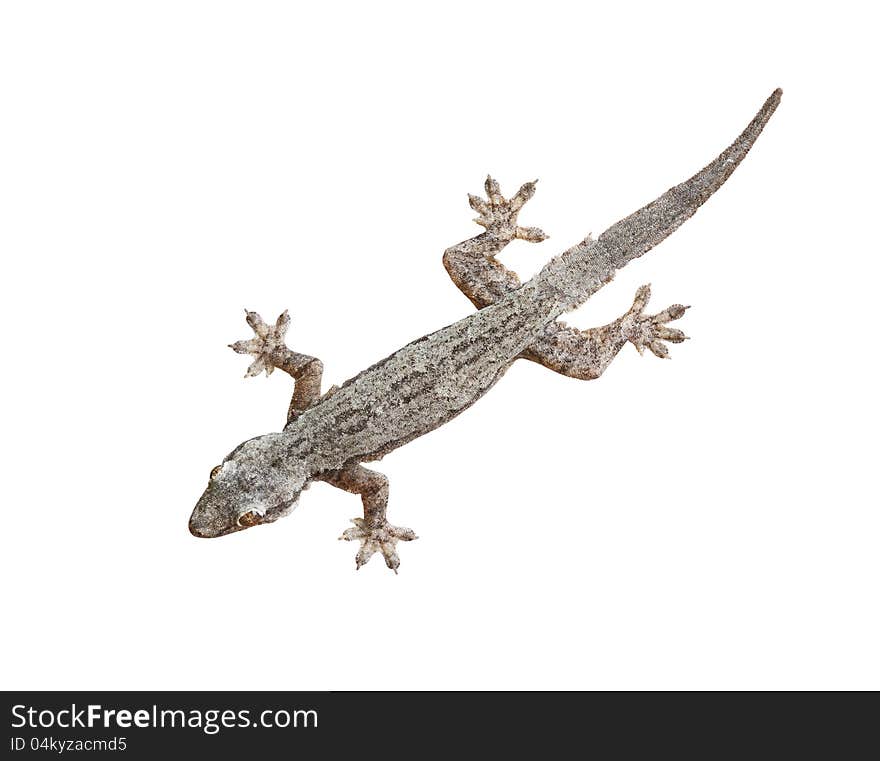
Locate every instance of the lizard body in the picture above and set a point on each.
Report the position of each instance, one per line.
(433, 379)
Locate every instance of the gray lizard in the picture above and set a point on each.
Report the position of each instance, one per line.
(438, 376)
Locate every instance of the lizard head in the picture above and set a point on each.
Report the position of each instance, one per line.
(256, 483)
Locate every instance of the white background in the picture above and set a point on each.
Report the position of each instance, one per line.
(705, 522)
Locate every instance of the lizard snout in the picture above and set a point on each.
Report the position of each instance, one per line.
(196, 528)
(201, 528)
(209, 519)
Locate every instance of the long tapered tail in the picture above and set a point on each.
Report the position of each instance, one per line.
(585, 268)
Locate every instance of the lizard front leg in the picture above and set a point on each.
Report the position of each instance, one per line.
(373, 530)
(584, 354)
(270, 351)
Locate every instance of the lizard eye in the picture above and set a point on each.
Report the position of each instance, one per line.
(216, 472)
(250, 518)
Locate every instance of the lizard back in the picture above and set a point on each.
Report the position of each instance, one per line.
(423, 385)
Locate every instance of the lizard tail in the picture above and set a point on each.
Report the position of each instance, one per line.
(578, 273)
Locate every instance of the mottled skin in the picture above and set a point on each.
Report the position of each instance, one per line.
(434, 378)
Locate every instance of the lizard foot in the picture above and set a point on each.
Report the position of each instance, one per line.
(268, 340)
(382, 537)
(650, 330)
(498, 215)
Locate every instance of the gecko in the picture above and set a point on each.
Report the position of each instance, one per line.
(327, 437)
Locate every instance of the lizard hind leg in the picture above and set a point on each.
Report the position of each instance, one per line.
(581, 354)
(373, 530)
(472, 264)
(585, 354)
